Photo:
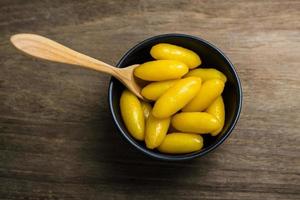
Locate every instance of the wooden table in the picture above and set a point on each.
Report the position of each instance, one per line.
(57, 138)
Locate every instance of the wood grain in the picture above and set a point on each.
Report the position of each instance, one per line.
(57, 139)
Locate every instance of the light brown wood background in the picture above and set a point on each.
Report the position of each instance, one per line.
(57, 139)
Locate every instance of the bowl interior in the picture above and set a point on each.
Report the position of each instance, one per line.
(211, 58)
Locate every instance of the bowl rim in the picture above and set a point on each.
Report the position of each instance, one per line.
(179, 157)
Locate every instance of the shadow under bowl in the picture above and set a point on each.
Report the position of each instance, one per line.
(211, 57)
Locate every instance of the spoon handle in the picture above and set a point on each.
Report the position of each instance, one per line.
(41, 47)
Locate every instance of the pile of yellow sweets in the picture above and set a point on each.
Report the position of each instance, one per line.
(185, 101)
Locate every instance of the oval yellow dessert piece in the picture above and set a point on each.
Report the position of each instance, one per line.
(209, 91)
(132, 114)
(217, 109)
(161, 70)
(195, 122)
(179, 143)
(164, 51)
(207, 74)
(154, 90)
(156, 130)
(176, 97)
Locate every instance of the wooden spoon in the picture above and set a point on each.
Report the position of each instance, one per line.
(41, 47)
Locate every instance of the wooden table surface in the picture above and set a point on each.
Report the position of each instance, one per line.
(57, 138)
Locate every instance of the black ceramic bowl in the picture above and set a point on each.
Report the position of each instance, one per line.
(211, 57)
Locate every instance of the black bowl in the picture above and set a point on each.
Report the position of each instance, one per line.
(211, 57)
